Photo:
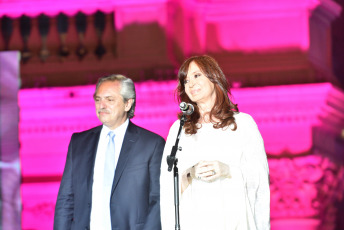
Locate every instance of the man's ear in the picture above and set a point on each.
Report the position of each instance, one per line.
(128, 104)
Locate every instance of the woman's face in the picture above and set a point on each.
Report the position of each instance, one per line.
(198, 87)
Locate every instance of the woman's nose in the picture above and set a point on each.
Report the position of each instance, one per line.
(191, 82)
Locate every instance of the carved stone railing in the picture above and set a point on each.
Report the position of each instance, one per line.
(256, 43)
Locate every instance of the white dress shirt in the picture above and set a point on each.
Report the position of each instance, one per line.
(100, 218)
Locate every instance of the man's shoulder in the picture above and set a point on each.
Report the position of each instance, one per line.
(145, 132)
(96, 129)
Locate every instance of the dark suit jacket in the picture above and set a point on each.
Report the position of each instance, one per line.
(135, 196)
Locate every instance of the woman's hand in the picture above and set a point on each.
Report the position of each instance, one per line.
(209, 171)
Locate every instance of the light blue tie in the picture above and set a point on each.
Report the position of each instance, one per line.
(109, 172)
(109, 166)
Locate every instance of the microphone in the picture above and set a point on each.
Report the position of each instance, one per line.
(186, 108)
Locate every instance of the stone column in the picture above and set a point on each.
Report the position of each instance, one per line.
(10, 201)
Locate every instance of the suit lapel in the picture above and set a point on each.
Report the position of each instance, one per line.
(94, 139)
(129, 140)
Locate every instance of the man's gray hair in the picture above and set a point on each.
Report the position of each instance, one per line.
(127, 89)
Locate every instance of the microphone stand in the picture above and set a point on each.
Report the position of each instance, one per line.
(172, 160)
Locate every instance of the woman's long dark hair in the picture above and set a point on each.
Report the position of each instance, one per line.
(222, 113)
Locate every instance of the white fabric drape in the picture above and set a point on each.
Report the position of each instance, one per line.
(239, 202)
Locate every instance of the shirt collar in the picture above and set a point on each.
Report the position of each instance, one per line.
(119, 130)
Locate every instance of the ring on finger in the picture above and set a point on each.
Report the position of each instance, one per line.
(213, 172)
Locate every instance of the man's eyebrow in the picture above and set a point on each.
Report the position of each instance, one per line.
(103, 97)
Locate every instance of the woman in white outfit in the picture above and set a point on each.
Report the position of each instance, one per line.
(224, 175)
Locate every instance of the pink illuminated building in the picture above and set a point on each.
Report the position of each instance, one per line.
(278, 55)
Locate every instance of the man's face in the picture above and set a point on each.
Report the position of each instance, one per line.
(110, 107)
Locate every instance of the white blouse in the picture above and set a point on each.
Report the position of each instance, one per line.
(239, 202)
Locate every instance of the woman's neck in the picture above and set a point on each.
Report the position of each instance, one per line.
(204, 108)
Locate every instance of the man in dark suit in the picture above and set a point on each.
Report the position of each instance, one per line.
(124, 194)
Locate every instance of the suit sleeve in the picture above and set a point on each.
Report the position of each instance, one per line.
(64, 208)
(153, 218)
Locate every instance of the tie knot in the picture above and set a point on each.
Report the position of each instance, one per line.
(111, 135)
